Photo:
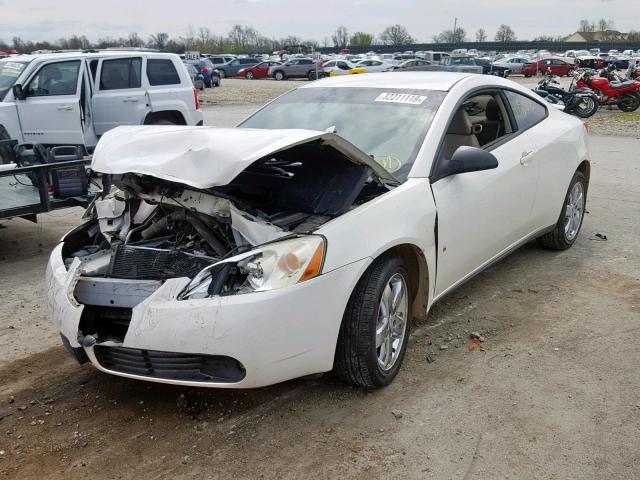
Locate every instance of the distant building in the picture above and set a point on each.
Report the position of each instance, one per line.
(606, 36)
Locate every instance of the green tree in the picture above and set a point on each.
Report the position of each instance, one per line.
(361, 39)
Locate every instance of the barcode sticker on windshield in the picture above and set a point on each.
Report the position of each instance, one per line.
(406, 98)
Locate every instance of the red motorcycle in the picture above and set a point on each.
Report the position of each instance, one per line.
(623, 94)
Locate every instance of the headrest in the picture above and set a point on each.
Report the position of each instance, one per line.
(460, 125)
(492, 111)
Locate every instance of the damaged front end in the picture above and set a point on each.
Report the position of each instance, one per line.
(252, 233)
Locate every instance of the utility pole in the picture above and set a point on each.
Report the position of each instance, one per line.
(455, 24)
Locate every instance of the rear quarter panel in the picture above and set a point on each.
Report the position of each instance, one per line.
(562, 145)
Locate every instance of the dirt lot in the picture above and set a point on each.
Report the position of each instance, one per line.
(552, 394)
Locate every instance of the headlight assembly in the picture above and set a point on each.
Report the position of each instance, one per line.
(268, 267)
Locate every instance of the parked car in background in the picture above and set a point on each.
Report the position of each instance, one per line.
(434, 57)
(45, 98)
(489, 68)
(230, 69)
(514, 64)
(296, 68)
(619, 61)
(338, 66)
(306, 251)
(584, 59)
(206, 68)
(413, 65)
(558, 67)
(220, 59)
(196, 77)
(460, 63)
(260, 70)
(371, 65)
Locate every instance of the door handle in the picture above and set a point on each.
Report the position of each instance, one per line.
(64, 107)
(524, 158)
(130, 99)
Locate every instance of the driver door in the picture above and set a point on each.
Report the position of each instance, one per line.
(51, 112)
(482, 214)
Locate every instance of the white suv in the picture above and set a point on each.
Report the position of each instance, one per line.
(73, 98)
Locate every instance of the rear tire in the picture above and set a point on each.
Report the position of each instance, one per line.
(566, 231)
(590, 108)
(629, 102)
(362, 340)
(222, 73)
(249, 76)
(163, 121)
(279, 75)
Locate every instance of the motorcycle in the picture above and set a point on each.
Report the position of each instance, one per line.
(623, 94)
(581, 102)
(633, 72)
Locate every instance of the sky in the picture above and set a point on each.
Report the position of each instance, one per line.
(52, 19)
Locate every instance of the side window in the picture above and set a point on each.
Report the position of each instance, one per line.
(54, 79)
(305, 61)
(235, 63)
(120, 73)
(527, 112)
(162, 72)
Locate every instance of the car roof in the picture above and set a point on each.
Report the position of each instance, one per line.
(442, 81)
(99, 54)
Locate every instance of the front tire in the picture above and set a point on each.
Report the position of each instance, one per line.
(6, 153)
(279, 75)
(587, 107)
(222, 73)
(249, 75)
(566, 231)
(375, 328)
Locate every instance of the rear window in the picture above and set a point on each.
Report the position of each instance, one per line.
(162, 72)
(248, 61)
(120, 73)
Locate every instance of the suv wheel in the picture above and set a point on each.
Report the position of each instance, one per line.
(312, 75)
(279, 75)
(222, 73)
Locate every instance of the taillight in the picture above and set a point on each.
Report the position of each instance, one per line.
(196, 98)
(205, 70)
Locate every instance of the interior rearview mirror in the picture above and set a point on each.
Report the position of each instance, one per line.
(466, 159)
(18, 93)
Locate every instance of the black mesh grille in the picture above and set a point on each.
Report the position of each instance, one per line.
(154, 264)
(170, 365)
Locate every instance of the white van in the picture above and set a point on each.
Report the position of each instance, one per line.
(73, 98)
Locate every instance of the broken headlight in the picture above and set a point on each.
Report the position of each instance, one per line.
(268, 267)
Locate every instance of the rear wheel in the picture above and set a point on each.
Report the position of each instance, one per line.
(312, 75)
(279, 75)
(163, 121)
(566, 231)
(375, 328)
(629, 102)
(222, 73)
(249, 76)
(587, 107)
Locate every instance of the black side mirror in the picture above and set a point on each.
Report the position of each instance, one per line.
(18, 93)
(466, 159)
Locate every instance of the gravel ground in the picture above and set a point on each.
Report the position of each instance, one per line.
(249, 94)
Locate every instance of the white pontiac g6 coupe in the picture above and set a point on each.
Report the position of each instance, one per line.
(308, 238)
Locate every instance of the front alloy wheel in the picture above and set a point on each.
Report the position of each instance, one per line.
(375, 327)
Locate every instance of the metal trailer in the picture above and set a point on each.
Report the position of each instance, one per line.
(25, 191)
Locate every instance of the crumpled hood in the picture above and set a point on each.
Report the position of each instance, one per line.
(205, 157)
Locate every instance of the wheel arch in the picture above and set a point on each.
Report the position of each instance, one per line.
(172, 115)
(418, 269)
(585, 168)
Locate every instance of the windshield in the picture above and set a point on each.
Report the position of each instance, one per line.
(583, 53)
(9, 73)
(387, 124)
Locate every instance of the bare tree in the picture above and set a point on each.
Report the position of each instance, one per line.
(134, 41)
(396, 35)
(604, 25)
(481, 35)
(458, 35)
(159, 40)
(586, 26)
(505, 34)
(340, 37)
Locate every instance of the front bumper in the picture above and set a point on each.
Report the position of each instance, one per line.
(276, 335)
